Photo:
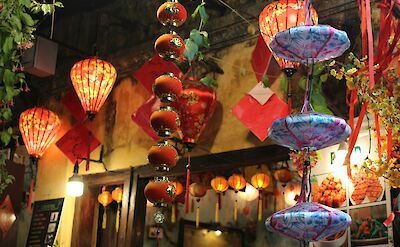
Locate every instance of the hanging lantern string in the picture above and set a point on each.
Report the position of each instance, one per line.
(307, 97)
(236, 12)
(187, 185)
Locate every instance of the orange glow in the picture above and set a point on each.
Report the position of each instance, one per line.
(38, 127)
(117, 194)
(178, 187)
(93, 80)
(219, 184)
(104, 197)
(260, 180)
(237, 182)
(279, 16)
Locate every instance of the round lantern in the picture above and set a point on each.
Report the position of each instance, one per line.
(260, 181)
(159, 192)
(170, 46)
(163, 156)
(197, 190)
(104, 198)
(116, 195)
(38, 127)
(164, 121)
(171, 13)
(220, 185)
(167, 87)
(93, 80)
(283, 175)
(279, 16)
(237, 182)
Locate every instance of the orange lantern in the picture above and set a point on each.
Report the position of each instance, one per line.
(279, 16)
(170, 46)
(197, 190)
(237, 182)
(178, 190)
(220, 185)
(116, 195)
(283, 175)
(172, 13)
(160, 192)
(93, 80)
(104, 199)
(164, 121)
(260, 181)
(163, 156)
(167, 87)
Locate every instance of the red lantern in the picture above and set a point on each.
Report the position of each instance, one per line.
(197, 190)
(164, 121)
(38, 127)
(172, 13)
(160, 192)
(167, 87)
(195, 105)
(93, 80)
(170, 46)
(163, 156)
(279, 16)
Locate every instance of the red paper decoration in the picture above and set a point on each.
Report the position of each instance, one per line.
(172, 13)
(159, 192)
(163, 156)
(38, 127)
(279, 16)
(93, 80)
(164, 121)
(170, 46)
(167, 87)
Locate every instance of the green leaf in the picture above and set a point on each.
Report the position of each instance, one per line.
(5, 137)
(196, 11)
(16, 22)
(208, 81)
(59, 4)
(6, 113)
(8, 44)
(191, 49)
(203, 14)
(26, 3)
(303, 83)
(324, 77)
(8, 77)
(206, 42)
(196, 36)
(27, 19)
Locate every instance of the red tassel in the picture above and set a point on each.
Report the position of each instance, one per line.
(88, 151)
(389, 220)
(187, 185)
(30, 196)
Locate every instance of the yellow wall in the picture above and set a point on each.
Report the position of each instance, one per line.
(126, 144)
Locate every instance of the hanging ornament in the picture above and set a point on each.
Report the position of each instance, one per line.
(93, 80)
(172, 13)
(167, 87)
(197, 190)
(170, 46)
(163, 156)
(237, 182)
(283, 175)
(260, 181)
(104, 199)
(178, 191)
(116, 195)
(279, 16)
(38, 127)
(220, 185)
(165, 121)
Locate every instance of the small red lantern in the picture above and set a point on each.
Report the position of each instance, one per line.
(164, 121)
(237, 182)
(170, 46)
(38, 127)
(283, 175)
(260, 181)
(172, 13)
(279, 16)
(197, 190)
(220, 185)
(163, 156)
(159, 192)
(167, 87)
(93, 80)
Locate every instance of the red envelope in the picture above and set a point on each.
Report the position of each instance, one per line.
(258, 118)
(73, 104)
(260, 58)
(75, 143)
(155, 67)
(142, 116)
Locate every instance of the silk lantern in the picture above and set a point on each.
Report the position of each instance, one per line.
(93, 80)
(163, 156)
(172, 13)
(197, 190)
(165, 121)
(170, 46)
(38, 127)
(279, 16)
(283, 175)
(260, 181)
(237, 182)
(160, 192)
(104, 198)
(178, 190)
(116, 195)
(220, 185)
(167, 87)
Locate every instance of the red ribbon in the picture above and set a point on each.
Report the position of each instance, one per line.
(187, 185)
(30, 199)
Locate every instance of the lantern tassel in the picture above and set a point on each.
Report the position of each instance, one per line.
(173, 213)
(192, 206)
(260, 209)
(30, 198)
(88, 151)
(235, 211)
(197, 217)
(219, 201)
(187, 185)
(104, 223)
(117, 219)
(217, 211)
